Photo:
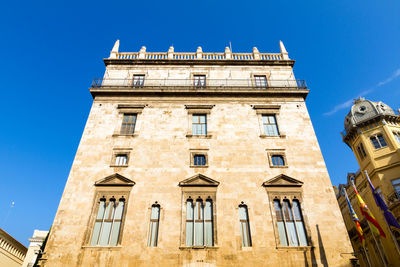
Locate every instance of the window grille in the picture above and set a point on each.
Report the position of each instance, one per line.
(121, 160)
(138, 80)
(277, 160)
(199, 80)
(260, 81)
(199, 160)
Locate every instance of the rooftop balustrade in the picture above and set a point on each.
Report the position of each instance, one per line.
(200, 84)
(199, 55)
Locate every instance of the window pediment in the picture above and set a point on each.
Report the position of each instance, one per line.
(199, 180)
(282, 180)
(115, 180)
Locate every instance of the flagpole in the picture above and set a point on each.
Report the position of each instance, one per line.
(390, 230)
(377, 245)
(367, 256)
(369, 226)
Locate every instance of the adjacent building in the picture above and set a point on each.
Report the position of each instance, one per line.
(198, 159)
(372, 131)
(12, 252)
(35, 248)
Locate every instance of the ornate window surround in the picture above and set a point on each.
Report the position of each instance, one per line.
(284, 187)
(198, 186)
(113, 186)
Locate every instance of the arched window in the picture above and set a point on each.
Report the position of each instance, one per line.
(244, 226)
(154, 223)
(290, 223)
(199, 223)
(107, 226)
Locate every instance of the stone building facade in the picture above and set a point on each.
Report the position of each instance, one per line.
(372, 131)
(12, 252)
(198, 159)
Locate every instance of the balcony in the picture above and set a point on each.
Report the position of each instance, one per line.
(393, 198)
(194, 84)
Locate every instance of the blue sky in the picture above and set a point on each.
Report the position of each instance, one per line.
(51, 50)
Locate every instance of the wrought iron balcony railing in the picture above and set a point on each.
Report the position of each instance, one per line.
(394, 197)
(199, 84)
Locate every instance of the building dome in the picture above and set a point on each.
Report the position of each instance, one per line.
(364, 110)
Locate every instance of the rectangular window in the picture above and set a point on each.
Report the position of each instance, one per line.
(199, 80)
(153, 229)
(397, 136)
(244, 226)
(260, 81)
(396, 186)
(128, 124)
(107, 226)
(290, 223)
(270, 125)
(199, 160)
(199, 124)
(361, 151)
(138, 80)
(277, 161)
(378, 141)
(199, 223)
(121, 160)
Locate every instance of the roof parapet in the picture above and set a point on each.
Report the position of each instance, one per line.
(199, 55)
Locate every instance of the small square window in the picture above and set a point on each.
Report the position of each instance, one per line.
(138, 80)
(199, 80)
(198, 159)
(277, 159)
(260, 81)
(121, 160)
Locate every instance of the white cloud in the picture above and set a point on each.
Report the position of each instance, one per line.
(346, 104)
(391, 78)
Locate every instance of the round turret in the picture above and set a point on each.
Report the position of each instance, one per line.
(364, 110)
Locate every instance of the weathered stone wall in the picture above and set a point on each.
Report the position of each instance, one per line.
(160, 159)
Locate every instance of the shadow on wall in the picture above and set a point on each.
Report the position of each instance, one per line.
(322, 254)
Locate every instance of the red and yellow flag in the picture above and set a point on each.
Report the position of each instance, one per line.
(368, 214)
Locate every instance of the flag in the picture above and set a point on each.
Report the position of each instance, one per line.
(368, 214)
(355, 219)
(390, 219)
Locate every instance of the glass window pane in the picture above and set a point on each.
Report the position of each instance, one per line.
(382, 140)
(105, 234)
(198, 224)
(299, 223)
(96, 233)
(102, 207)
(119, 211)
(375, 142)
(153, 234)
(115, 233)
(189, 223)
(292, 233)
(155, 212)
(282, 233)
(208, 223)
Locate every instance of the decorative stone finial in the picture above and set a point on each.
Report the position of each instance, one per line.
(115, 49)
(171, 52)
(143, 49)
(199, 53)
(285, 54)
(256, 53)
(228, 54)
(116, 46)
(199, 50)
(359, 99)
(142, 52)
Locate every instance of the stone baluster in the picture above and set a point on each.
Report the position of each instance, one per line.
(199, 52)
(115, 49)
(284, 53)
(142, 52)
(256, 53)
(171, 52)
(228, 54)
